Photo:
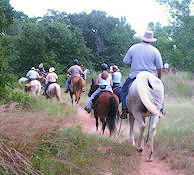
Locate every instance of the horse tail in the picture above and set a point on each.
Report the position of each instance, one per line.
(144, 93)
(58, 92)
(110, 120)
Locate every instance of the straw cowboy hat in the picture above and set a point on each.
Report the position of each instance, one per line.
(115, 67)
(40, 65)
(33, 68)
(148, 36)
(52, 69)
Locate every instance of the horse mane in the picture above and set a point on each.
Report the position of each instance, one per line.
(104, 75)
(148, 87)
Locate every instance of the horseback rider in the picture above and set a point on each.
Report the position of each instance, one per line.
(116, 77)
(50, 78)
(104, 80)
(32, 74)
(140, 57)
(74, 71)
(41, 69)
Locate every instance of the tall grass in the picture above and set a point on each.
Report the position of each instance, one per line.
(175, 133)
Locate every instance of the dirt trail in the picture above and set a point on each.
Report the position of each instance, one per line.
(157, 167)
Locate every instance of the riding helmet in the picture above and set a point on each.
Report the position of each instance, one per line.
(76, 61)
(104, 66)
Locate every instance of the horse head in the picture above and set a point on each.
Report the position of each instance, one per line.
(93, 88)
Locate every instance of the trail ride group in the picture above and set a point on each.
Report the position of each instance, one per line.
(141, 95)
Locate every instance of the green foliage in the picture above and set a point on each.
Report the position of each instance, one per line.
(6, 14)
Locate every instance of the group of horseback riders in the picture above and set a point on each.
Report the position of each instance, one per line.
(51, 77)
(40, 74)
(140, 57)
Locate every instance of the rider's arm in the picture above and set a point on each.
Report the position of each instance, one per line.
(159, 73)
(97, 78)
(111, 83)
(27, 75)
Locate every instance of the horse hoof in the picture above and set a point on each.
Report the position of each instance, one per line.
(149, 159)
(139, 149)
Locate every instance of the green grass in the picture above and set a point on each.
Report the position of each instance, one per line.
(175, 135)
(70, 151)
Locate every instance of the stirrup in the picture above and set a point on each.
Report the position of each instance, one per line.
(66, 91)
(87, 109)
(124, 114)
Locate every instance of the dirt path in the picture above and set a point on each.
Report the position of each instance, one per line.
(157, 167)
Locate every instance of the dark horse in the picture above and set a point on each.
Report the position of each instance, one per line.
(76, 88)
(105, 107)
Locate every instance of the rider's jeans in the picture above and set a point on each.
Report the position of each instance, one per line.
(124, 91)
(67, 83)
(108, 88)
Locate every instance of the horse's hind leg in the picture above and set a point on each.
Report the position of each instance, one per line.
(152, 131)
(141, 123)
(96, 123)
(71, 95)
(131, 134)
(103, 125)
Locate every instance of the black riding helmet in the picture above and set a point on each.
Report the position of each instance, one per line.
(75, 61)
(104, 66)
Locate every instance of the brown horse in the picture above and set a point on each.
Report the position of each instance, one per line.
(76, 88)
(105, 107)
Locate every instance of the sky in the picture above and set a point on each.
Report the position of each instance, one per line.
(137, 12)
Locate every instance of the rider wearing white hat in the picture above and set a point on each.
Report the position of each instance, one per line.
(50, 78)
(32, 74)
(141, 57)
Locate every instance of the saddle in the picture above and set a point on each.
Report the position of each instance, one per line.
(96, 97)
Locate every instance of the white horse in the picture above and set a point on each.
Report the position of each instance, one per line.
(54, 90)
(145, 98)
(34, 87)
(21, 81)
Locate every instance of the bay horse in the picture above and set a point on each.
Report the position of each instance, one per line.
(76, 88)
(145, 98)
(54, 90)
(105, 107)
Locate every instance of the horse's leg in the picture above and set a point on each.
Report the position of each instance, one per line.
(141, 123)
(103, 125)
(96, 117)
(131, 133)
(152, 131)
(71, 95)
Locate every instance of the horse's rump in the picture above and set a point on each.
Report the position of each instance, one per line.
(77, 84)
(146, 94)
(102, 102)
(106, 108)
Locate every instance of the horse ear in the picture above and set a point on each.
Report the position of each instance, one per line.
(92, 80)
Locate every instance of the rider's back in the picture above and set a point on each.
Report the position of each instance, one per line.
(75, 71)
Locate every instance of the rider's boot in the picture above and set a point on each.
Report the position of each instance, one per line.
(124, 113)
(66, 91)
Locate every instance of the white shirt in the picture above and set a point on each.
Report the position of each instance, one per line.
(51, 77)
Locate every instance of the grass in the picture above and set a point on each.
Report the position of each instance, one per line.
(40, 137)
(175, 135)
(71, 151)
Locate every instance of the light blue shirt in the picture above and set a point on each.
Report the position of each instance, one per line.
(143, 57)
(32, 74)
(116, 77)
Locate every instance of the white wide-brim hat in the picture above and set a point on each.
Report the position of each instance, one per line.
(52, 69)
(115, 67)
(148, 37)
(33, 68)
